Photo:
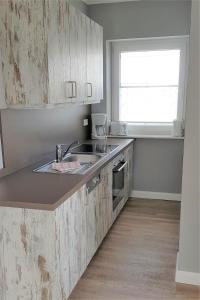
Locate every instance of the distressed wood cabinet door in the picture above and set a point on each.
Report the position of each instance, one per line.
(99, 63)
(131, 166)
(77, 237)
(23, 43)
(71, 242)
(103, 208)
(94, 62)
(60, 90)
(128, 172)
(2, 87)
(91, 224)
(27, 256)
(99, 212)
(78, 73)
(107, 193)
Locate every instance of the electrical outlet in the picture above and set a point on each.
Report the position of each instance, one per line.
(85, 122)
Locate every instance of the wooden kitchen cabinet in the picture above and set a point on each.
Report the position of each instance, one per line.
(71, 242)
(2, 87)
(91, 223)
(94, 61)
(128, 172)
(44, 53)
(98, 212)
(78, 54)
(23, 43)
(105, 200)
(35, 51)
(103, 206)
(58, 32)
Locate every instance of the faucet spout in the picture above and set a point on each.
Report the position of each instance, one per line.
(59, 152)
(70, 146)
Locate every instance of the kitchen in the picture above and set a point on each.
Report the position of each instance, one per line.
(51, 80)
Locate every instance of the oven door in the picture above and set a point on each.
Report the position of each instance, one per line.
(118, 183)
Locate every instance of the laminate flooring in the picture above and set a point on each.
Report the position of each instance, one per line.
(137, 259)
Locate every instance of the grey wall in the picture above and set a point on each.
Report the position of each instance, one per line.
(141, 19)
(158, 165)
(80, 5)
(189, 248)
(30, 134)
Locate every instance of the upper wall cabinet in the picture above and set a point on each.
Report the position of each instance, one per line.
(45, 47)
(23, 43)
(58, 51)
(78, 54)
(94, 61)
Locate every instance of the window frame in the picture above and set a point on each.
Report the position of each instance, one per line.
(149, 44)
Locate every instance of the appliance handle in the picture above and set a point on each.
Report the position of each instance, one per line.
(120, 168)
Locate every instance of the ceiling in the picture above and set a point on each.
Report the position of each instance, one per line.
(89, 2)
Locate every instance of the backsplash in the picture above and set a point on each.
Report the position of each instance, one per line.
(30, 134)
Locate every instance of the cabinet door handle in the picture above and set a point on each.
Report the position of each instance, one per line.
(72, 89)
(91, 91)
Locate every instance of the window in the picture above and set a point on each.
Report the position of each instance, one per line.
(149, 83)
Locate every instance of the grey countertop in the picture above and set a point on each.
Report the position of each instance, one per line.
(44, 191)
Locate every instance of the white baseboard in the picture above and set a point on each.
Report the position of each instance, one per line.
(186, 277)
(155, 195)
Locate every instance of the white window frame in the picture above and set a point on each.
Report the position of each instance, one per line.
(149, 44)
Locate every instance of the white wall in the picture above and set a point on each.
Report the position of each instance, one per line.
(189, 252)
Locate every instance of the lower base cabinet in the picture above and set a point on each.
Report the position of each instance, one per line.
(128, 172)
(44, 253)
(91, 224)
(70, 241)
(98, 212)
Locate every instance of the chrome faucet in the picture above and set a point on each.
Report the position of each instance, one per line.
(59, 152)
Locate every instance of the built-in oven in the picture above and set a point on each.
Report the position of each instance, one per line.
(118, 184)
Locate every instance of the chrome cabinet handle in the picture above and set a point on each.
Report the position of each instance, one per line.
(72, 89)
(91, 90)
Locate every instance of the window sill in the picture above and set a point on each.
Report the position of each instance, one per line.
(137, 136)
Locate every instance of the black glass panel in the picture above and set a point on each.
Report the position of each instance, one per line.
(94, 148)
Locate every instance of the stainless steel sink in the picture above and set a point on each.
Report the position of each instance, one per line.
(83, 158)
(86, 162)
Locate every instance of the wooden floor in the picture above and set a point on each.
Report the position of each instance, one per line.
(137, 259)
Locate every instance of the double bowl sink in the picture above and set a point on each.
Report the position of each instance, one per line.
(86, 160)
